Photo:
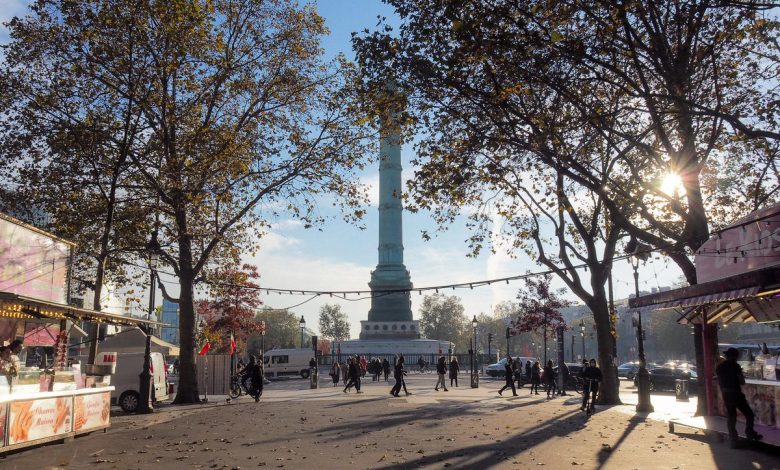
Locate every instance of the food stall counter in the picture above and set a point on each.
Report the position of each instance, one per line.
(32, 418)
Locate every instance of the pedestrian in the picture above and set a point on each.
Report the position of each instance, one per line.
(454, 369)
(345, 371)
(441, 370)
(528, 371)
(361, 371)
(509, 376)
(731, 379)
(335, 372)
(591, 377)
(353, 375)
(549, 379)
(363, 365)
(563, 369)
(517, 371)
(398, 374)
(535, 378)
(421, 363)
(386, 368)
(176, 365)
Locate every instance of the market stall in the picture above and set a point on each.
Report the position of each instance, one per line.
(738, 270)
(44, 395)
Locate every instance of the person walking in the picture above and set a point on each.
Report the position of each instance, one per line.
(361, 371)
(549, 379)
(730, 380)
(563, 369)
(335, 373)
(441, 370)
(345, 371)
(398, 375)
(454, 369)
(528, 371)
(590, 388)
(535, 378)
(386, 368)
(510, 378)
(517, 370)
(353, 375)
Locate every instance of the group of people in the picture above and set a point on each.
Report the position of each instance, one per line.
(441, 371)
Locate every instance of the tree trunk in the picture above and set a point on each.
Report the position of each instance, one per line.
(610, 388)
(188, 379)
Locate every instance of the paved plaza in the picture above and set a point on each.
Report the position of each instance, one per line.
(294, 427)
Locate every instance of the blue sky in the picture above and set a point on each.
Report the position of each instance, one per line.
(341, 257)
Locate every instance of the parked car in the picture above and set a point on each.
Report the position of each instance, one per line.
(628, 370)
(497, 369)
(662, 379)
(125, 379)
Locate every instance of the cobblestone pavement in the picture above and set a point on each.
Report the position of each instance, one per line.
(293, 427)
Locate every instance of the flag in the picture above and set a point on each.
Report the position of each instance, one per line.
(232, 343)
(205, 349)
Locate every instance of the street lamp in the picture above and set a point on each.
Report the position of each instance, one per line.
(474, 367)
(643, 378)
(582, 334)
(145, 382)
(302, 324)
(490, 340)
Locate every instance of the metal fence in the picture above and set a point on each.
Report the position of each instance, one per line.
(412, 360)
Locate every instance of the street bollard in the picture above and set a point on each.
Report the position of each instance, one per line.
(681, 389)
(314, 378)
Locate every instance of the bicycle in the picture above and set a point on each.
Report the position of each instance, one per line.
(237, 388)
(590, 399)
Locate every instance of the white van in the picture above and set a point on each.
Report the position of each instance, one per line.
(126, 380)
(278, 362)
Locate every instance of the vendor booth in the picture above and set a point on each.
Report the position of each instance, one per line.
(44, 396)
(134, 340)
(738, 271)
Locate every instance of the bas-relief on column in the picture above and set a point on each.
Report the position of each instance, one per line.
(391, 314)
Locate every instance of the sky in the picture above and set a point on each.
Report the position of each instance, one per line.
(338, 256)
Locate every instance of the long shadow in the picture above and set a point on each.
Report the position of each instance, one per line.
(605, 454)
(358, 402)
(489, 454)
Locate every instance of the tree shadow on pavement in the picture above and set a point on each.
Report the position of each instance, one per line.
(489, 454)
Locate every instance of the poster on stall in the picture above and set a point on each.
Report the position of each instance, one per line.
(3, 407)
(91, 411)
(31, 420)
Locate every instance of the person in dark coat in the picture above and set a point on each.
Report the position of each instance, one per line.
(454, 369)
(528, 368)
(563, 369)
(549, 379)
(592, 377)
(536, 377)
(441, 370)
(509, 376)
(353, 375)
(398, 374)
(386, 368)
(517, 370)
(730, 380)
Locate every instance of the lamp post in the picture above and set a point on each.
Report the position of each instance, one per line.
(302, 324)
(643, 378)
(474, 371)
(145, 378)
(582, 334)
(572, 348)
(490, 340)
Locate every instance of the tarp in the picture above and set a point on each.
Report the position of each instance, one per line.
(134, 340)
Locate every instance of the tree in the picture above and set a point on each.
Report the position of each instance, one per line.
(563, 119)
(334, 324)
(65, 142)
(241, 121)
(232, 307)
(540, 309)
(443, 317)
(281, 330)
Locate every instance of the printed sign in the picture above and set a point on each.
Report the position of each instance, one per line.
(31, 420)
(91, 411)
(3, 409)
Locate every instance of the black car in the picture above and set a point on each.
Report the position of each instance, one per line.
(663, 378)
(575, 369)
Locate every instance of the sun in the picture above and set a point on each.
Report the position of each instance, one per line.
(671, 184)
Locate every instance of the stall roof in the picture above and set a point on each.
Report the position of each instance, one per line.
(19, 306)
(134, 340)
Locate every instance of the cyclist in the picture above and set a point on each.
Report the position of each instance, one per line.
(591, 377)
(253, 371)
